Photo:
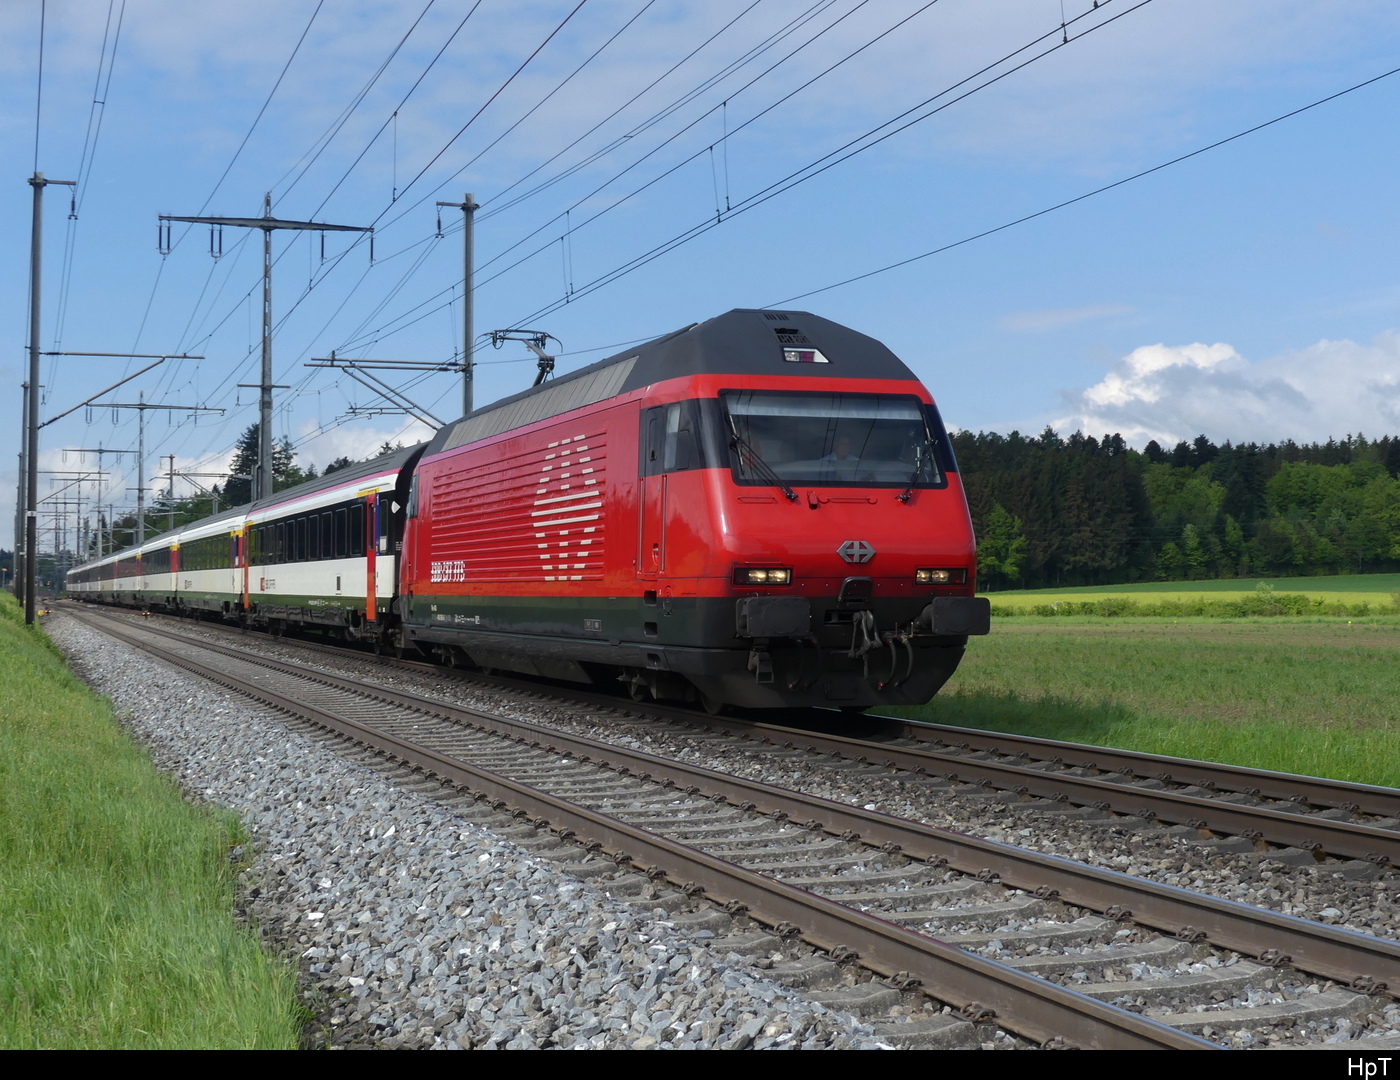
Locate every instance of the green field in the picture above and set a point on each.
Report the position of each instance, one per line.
(1317, 696)
(116, 896)
(1378, 590)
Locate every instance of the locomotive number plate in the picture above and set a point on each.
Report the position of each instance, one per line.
(451, 570)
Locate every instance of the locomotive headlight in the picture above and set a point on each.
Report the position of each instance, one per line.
(940, 577)
(748, 575)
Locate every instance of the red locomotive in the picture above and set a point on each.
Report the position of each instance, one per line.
(761, 510)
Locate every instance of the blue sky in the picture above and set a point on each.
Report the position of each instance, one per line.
(1250, 292)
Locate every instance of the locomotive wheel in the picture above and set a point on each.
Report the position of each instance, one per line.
(713, 706)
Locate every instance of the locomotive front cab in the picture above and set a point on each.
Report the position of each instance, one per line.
(843, 542)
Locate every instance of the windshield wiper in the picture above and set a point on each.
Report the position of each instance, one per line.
(754, 459)
(918, 468)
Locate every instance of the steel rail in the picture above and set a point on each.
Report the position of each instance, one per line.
(1039, 1010)
(1341, 955)
(1311, 832)
(1322, 836)
(1346, 839)
(1286, 787)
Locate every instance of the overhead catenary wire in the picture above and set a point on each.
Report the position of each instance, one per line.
(650, 121)
(485, 105)
(391, 117)
(326, 271)
(323, 141)
(750, 54)
(670, 139)
(808, 171)
(534, 108)
(840, 155)
(308, 159)
(450, 290)
(1088, 194)
(39, 82)
(521, 119)
(499, 90)
(155, 285)
(96, 111)
(253, 127)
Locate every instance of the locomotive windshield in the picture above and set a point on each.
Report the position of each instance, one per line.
(830, 440)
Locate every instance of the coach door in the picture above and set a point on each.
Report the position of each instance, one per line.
(240, 565)
(371, 547)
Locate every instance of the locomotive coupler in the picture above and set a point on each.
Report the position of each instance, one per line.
(761, 664)
(864, 635)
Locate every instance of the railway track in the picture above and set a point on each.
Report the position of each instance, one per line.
(1313, 817)
(851, 881)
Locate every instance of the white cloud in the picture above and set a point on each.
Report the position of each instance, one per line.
(1169, 393)
(356, 443)
(1035, 322)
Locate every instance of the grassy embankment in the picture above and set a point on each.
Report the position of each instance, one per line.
(116, 896)
(1349, 595)
(1314, 694)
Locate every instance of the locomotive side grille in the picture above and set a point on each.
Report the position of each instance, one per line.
(553, 400)
(527, 515)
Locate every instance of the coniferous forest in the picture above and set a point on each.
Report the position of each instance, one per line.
(1052, 511)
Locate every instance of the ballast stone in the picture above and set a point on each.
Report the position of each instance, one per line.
(434, 932)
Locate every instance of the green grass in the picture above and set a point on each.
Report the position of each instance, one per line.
(116, 896)
(1319, 697)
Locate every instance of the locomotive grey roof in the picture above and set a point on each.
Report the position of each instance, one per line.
(740, 342)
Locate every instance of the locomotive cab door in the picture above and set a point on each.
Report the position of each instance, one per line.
(651, 541)
(668, 445)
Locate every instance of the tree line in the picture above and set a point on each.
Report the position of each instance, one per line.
(1052, 511)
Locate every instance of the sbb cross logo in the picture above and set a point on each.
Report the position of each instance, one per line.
(856, 551)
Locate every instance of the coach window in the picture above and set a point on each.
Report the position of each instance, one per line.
(313, 536)
(357, 529)
(340, 528)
